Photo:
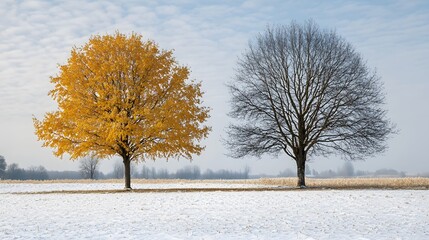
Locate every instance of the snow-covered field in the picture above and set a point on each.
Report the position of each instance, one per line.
(318, 214)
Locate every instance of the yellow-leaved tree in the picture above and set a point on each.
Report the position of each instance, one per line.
(119, 95)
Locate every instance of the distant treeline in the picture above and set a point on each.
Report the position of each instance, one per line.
(347, 170)
(188, 172)
(193, 172)
(14, 172)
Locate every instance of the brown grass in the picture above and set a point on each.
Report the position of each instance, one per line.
(354, 183)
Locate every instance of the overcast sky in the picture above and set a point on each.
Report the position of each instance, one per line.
(209, 36)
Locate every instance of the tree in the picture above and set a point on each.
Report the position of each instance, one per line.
(134, 171)
(118, 170)
(37, 173)
(305, 91)
(145, 172)
(246, 172)
(3, 166)
(14, 172)
(119, 95)
(347, 170)
(88, 167)
(189, 172)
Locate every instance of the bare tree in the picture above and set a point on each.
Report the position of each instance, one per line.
(3, 166)
(118, 170)
(14, 172)
(347, 170)
(134, 170)
(246, 172)
(88, 167)
(305, 91)
(145, 172)
(37, 173)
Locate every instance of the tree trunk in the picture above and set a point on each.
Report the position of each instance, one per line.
(127, 167)
(300, 163)
(301, 174)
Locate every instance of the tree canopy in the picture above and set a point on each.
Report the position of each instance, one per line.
(119, 95)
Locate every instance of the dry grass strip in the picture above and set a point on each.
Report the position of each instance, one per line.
(353, 183)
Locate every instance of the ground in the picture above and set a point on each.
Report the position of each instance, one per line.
(288, 214)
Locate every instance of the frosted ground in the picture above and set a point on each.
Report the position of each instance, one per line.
(289, 214)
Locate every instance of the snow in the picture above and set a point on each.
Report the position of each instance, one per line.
(296, 214)
(46, 187)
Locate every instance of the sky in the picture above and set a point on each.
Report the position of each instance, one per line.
(208, 37)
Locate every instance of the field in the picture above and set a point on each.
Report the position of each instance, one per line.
(244, 209)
